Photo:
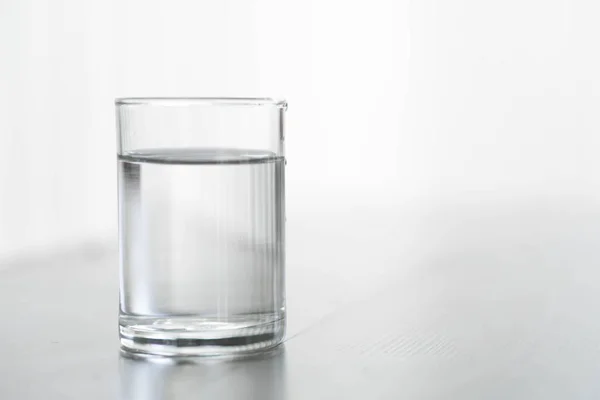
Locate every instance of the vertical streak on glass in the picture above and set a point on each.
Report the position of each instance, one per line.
(225, 200)
(273, 265)
(254, 233)
(281, 222)
(218, 263)
(257, 253)
(261, 225)
(272, 235)
(264, 236)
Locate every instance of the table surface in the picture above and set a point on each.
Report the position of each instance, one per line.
(464, 301)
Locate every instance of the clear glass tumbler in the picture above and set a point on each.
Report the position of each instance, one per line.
(201, 225)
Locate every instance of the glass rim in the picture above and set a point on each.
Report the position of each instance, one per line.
(200, 101)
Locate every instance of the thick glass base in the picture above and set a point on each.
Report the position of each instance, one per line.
(191, 336)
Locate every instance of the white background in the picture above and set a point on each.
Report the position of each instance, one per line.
(396, 103)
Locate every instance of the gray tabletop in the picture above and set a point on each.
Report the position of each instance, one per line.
(463, 301)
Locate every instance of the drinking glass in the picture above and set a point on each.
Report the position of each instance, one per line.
(201, 224)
